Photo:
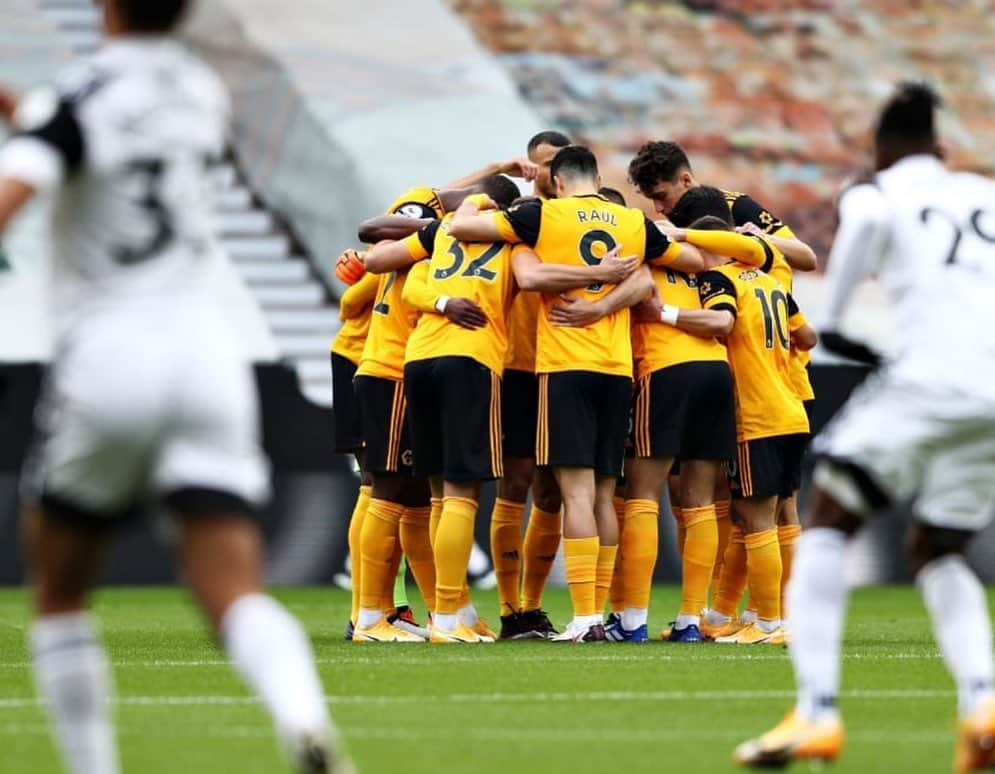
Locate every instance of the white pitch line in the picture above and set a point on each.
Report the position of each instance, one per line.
(511, 698)
(391, 661)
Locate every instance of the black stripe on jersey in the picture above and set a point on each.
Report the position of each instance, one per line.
(792, 306)
(427, 236)
(769, 253)
(724, 307)
(526, 219)
(656, 241)
(63, 133)
(712, 284)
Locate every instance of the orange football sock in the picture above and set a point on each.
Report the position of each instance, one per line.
(603, 576)
(581, 558)
(733, 580)
(787, 535)
(506, 551)
(617, 592)
(417, 547)
(763, 561)
(681, 530)
(435, 514)
(640, 544)
(700, 544)
(355, 552)
(453, 544)
(542, 541)
(724, 525)
(389, 604)
(378, 547)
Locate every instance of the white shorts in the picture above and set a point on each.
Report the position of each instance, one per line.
(931, 446)
(149, 404)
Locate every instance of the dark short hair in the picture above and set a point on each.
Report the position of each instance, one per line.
(908, 117)
(155, 16)
(549, 137)
(698, 202)
(574, 161)
(612, 195)
(501, 189)
(711, 223)
(525, 200)
(657, 162)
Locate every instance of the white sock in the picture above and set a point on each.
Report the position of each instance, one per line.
(714, 618)
(273, 655)
(634, 617)
(468, 615)
(817, 599)
(767, 626)
(963, 630)
(368, 618)
(588, 620)
(748, 616)
(73, 676)
(445, 621)
(684, 621)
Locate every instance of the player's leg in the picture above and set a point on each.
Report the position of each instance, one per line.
(222, 562)
(388, 458)
(348, 439)
(518, 411)
(606, 515)
(71, 669)
(700, 545)
(616, 594)
(543, 535)
(472, 453)
(581, 547)
(789, 528)
(416, 553)
(646, 478)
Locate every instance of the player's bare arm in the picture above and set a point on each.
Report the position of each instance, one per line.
(533, 275)
(387, 257)
(515, 167)
(682, 256)
(573, 312)
(14, 194)
(805, 338)
(373, 230)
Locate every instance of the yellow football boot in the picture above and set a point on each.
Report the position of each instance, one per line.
(794, 738)
(752, 635)
(976, 739)
(462, 634)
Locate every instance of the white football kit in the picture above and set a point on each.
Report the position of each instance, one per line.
(148, 393)
(920, 431)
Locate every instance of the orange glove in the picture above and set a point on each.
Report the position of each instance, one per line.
(349, 267)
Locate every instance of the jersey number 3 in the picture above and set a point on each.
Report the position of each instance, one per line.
(149, 173)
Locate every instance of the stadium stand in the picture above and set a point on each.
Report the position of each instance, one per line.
(618, 72)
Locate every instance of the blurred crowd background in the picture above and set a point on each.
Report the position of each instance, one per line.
(772, 97)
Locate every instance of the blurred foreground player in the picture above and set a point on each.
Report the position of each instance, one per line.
(148, 394)
(921, 431)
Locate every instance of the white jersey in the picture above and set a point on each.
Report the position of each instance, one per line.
(149, 393)
(128, 138)
(928, 234)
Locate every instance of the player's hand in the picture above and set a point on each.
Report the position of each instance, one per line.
(349, 266)
(8, 103)
(614, 269)
(751, 228)
(465, 313)
(671, 231)
(573, 312)
(648, 310)
(519, 167)
(481, 200)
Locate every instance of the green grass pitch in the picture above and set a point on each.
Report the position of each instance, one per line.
(509, 707)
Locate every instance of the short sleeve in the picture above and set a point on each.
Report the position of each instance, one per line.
(796, 320)
(717, 291)
(660, 251)
(48, 142)
(520, 223)
(746, 209)
(422, 242)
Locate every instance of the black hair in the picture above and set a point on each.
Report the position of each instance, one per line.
(549, 137)
(574, 161)
(501, 189)
(612, 195)
(907, 120)
(698, 202)
(657, 162)
(151, 16)
(711, 223)
(525, 200)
